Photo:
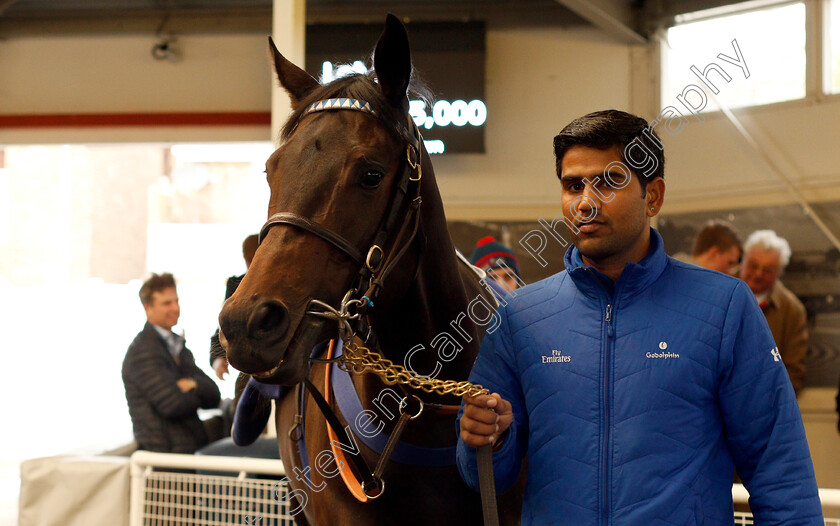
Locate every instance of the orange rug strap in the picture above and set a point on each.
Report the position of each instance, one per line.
(350, 480)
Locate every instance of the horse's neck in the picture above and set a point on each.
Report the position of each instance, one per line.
(433, 302)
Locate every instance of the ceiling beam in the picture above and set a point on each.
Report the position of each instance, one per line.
(520, 13)
(678, 7)
(180, 22)
(615, 17)
(507, 13)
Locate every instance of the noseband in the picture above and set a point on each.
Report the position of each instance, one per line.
(375, 264)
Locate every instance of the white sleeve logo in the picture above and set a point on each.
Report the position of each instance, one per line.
(776, 356)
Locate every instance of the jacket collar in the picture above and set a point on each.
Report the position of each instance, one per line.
(149, 329)
(775, 298)
(152, 332)
(635, 278)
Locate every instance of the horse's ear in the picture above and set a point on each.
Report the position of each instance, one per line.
(294, 80)
(392, 61)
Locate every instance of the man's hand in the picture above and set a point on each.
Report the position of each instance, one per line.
(220, 365)
(485, 418)
(187, 384)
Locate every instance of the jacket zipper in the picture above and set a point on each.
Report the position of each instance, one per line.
(606, 472)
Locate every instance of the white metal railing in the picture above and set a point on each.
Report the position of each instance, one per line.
(830, 498)
(171, 489)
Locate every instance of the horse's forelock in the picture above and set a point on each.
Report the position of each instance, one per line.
(357, 86)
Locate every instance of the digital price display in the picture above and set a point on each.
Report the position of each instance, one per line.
(449, 57)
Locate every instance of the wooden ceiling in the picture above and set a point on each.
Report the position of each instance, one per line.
(630, 20)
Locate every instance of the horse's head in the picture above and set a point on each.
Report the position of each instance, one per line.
(343, 184)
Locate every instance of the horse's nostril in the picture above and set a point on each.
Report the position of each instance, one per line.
(269, 316)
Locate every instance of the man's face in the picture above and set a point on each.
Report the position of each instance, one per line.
(164, 310)
(760, 269)
(725, 261)
(615, 228)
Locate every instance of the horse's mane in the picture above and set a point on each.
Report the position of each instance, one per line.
(360, 87)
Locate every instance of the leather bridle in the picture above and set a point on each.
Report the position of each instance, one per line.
(374, 267)
(376, 263)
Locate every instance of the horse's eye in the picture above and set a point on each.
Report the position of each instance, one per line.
(372, 178)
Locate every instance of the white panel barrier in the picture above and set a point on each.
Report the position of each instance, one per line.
(174, 490)
(70, 490)
(830, 499)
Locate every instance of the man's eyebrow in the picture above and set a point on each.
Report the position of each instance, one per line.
(613, 173)
(572, 177)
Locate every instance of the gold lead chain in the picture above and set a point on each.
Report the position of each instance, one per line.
(360, 359)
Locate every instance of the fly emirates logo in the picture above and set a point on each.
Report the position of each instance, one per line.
(556, 357)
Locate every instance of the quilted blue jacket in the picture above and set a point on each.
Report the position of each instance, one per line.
(633, 401)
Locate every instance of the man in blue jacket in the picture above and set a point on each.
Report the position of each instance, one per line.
(632, 382)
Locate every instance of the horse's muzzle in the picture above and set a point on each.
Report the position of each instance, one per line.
(265, 342)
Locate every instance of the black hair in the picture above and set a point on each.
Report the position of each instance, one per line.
(609, 128)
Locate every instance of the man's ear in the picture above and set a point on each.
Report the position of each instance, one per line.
(654, 196)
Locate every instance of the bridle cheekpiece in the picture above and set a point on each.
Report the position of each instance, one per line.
(377, 262)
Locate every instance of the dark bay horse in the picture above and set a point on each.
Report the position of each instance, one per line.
(356, 220)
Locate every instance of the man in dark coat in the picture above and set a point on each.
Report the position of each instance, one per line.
(163, 386)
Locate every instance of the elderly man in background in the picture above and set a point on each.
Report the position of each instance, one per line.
(765, 257)
(717, 247)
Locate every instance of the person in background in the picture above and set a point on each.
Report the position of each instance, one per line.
(837, 407)
(218, 358)
(765, 257)
(717, 247)
(498, 261)
(262, 446)
(163, 386)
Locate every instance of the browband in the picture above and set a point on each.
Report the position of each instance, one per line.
(338, 104)
(412, 135)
